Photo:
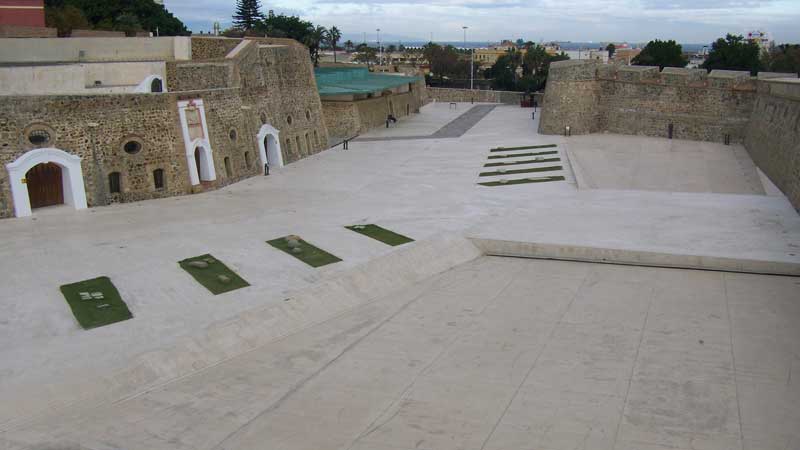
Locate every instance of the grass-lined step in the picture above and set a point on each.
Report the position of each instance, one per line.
(508, 149)
(512, 172)
(517, 155)
(380, 234)
(522, 181)
(302, 250)
(213, 274)
(95, 302)
(524, 161)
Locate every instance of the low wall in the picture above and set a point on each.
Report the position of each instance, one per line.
(12, 31)
(773, 135)
(87, 49)
(63, 79)
(474, 95)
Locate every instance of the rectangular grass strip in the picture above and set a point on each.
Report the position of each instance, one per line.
(523, 181)
(95, 302)
(381, 234)
(511, 172)
(524, 161)
(302, 250)
(213, 274)
(517, 155)
(506, 149)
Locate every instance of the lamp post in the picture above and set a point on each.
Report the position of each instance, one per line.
(471, 58)
(380, 49)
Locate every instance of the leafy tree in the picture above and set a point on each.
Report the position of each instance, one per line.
(66, 19)
(611, 49)
(662, 54)
(734, 53)
(784, 58)
(348, 46)
(445, 61)
(114, 15)
(333, 37)
(391, 48)
(248, 14)
(366, 55)
(128, 23)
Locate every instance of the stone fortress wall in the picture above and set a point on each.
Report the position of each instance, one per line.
(266, 85)
(476, 95)
(763, 112)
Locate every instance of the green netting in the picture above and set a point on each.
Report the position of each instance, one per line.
(356, 80)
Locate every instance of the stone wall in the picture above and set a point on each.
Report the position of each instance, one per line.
(345, 119)
(590, 97)
(212, 47)
(473, 95)
(272, 85)
(773, 135)
(761, 112)
(13, 31)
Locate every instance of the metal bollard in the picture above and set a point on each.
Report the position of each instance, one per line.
(670, 129)
(266, 169)
(567, 131)
(727, 139)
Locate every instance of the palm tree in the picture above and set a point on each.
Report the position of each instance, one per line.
(314, 38)
(348, 46)
(333, 37)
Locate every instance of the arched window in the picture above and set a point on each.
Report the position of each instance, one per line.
(156, 85)
(158, 178)
(114, 183)
(247, 159)
(228, 167)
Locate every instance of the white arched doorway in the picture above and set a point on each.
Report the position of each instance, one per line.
(153, 84)
(200, 162)
(269, 146)
(72, 187)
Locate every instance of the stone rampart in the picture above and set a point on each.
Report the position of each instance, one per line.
(473, 95)
(761, 112)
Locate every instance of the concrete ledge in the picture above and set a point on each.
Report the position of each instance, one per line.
(245, 332)
(495, 247)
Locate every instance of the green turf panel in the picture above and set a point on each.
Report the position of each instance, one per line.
(524, 161)
(95, 302)
(215, 276)
(511, 172)
(381, 234)
(309, 254)
(517, 155)
(508, 149)
(523, 181)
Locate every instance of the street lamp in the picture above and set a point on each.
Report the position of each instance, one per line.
(471, 58)
(380, 49)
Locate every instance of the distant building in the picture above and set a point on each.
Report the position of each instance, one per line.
(762, 39)
(625, 55)
(22, 13)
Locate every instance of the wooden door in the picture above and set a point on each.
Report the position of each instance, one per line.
(45, 185)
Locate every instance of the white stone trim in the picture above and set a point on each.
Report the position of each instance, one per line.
(71, 175)
(144, 86)
(207, 171)
(275, 156)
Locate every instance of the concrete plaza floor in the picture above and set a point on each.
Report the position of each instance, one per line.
(426, 189)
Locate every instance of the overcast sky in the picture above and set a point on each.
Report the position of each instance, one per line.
(687, 21)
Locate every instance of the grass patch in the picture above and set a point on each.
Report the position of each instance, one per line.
(511, 172)
(381, 234)
(309, 254)
(95, 302)
(517, 155)
(507, 149)
(523, 181)
(213, 274)
(525, 161)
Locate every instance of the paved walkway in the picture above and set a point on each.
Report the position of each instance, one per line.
(497, 354)
(453, 129)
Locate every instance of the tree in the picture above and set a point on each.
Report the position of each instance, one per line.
(734, 53)
(128, 23)
(116, 15)
(662, 54)
(66, 19)
(348, 46)
(611, 49)
(248, 14)
(784, 58)
(333, 37)
(313, 40)
(366, 55)
(445, 61)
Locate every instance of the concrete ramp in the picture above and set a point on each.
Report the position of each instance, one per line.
(248, 331)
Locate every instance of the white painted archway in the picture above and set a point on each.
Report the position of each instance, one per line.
(206, 171)
(145, 85)
(71, 176)
(271, 153)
